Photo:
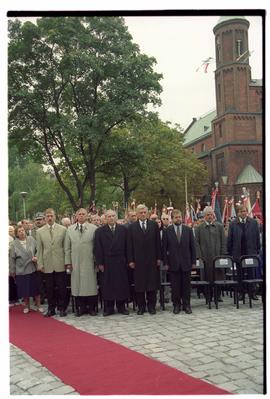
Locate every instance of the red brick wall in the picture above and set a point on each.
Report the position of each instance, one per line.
(228, 88)
(255, 99)
(241, 89)
(244, 127)
(226, 45)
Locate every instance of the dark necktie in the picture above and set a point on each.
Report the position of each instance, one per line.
(143, 227)
(243, 238)
(51, 232)
(178, 235)
(80, 228)
(113, 229)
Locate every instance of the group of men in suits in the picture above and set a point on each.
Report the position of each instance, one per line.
(140, 247)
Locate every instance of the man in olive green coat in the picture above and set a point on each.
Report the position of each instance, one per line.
(51, 261)
(211, 242)
(80, 261)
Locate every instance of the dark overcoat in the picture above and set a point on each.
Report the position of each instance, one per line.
(182, 255)
(144, 249)
(110, 250)
(252, 235)
(211, 242)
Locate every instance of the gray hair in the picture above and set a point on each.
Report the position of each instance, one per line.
(140, 207)
(208, 209)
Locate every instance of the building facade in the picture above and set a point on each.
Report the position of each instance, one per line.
(229, 140)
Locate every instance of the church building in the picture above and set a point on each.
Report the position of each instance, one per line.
(229, 140)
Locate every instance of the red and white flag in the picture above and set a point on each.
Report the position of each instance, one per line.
(232, 212)
(187, 219)
(225, 214)
(246, 201)
(205, 64)
(256, 210)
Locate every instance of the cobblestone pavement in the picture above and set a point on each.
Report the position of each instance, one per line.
(223, 347)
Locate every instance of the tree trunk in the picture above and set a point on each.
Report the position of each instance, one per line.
(92, 183)
(126, 191)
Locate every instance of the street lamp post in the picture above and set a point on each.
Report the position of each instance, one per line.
(24, 194)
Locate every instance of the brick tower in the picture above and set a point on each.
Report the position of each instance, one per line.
(236, 156)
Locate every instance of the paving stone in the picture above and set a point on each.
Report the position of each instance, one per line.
(199, 374)
(228, 386)
(62, 390)
(218, 379)
(26, 384)
(207, 359)
(42, 389)
(16, 391)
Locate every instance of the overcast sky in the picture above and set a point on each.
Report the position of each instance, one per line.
(179, 45)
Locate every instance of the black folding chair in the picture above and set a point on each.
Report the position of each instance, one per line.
(247, 270)
(198, 280)
(226, 264)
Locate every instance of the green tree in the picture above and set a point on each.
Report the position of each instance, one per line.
(71, 81)
(148, 159)
(168, 165)
(42, 191)
(123, 163)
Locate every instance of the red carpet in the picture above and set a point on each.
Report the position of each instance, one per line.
(96, 366)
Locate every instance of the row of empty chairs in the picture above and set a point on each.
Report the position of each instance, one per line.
(239, 278)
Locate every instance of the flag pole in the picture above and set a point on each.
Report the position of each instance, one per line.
(186, 188)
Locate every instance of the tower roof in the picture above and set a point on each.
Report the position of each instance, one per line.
(230, 18)
(226, 18)
(249, 175)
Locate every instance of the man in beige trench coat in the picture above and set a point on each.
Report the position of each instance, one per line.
(79, 259)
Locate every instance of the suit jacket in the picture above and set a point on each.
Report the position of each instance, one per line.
(144, 249)
(252, 235)
(111, 251)
(20, 258)
(50, 251)
(179, 256)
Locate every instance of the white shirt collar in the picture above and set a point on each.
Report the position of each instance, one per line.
(49, 226)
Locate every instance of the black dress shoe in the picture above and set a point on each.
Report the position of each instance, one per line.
(63, 313)
(220, 299)
(176, 309)
(92, 312)
(188, 310)
(140, 312)
(152, 311)
(123, 311)
(80, 312)
(108, 313)
(50, 313)
(254, 297)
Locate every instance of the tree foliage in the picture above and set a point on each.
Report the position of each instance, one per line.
(147, 160)
(71, 81)
(42, 191)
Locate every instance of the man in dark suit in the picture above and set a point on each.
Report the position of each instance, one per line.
(110, 247)
(179, 255)
(144, 256)
(243, 237)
